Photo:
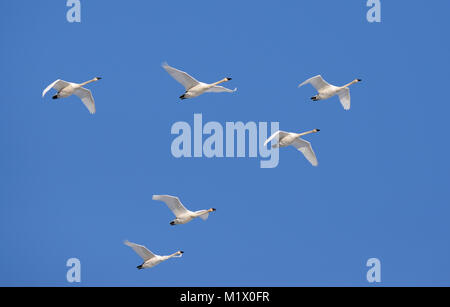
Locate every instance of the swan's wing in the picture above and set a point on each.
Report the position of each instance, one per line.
(305, 148)
(344, 97)
(173, 203)
(142, 251)
(220, 89)
(318, 82)
(280, 134)
(86, 96)
(181, 76)
(204, 216)
(57, 85)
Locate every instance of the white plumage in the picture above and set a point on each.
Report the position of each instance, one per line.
(193, 87)
(293, 139)
(65, 89)
(182, 215)
(327, 90)
(150, 259)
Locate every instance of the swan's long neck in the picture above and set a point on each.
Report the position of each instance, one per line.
(308, 132)
(351, 83)
(200, 213)
(177, 254)
(221, 81)
(90, 81)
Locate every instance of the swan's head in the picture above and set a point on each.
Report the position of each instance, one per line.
(212, 209)
(316, 130)
(358, 80)
(228, 79)
(97, 78)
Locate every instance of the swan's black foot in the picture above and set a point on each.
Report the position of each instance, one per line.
(172, 223)
(55, 97)
(314, 98)
(139, 267)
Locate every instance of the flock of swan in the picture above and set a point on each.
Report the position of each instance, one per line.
(182, 216)
(194, 88)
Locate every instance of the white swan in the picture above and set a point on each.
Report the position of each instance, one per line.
(327, 90)
(182, 214)
(150, 259)
(287, 138)
(193, 87)
(66, 89)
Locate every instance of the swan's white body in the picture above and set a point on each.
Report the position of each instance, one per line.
(182, 215)
(293, 139)
(193, 87)
(327, 90)
(150, 259)
(65, 89)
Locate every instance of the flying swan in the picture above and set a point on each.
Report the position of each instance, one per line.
(182, 214)
(327, 90)
(193, 87)
(150, 259)
(287, 138)
(66, 89)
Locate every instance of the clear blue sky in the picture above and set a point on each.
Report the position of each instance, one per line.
(76, 185)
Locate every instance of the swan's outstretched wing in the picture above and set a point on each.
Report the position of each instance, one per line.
(305, 148)
(344, 97)
(204, 216)
(173, 203)
(220, 89)
(181, 76)
(280, 134)
(142, 251)
(318, 82)
(57, 85)
(86, 96)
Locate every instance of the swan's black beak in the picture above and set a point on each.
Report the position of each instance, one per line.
(213, 209)
(99, 78)
(181, 252)
(317, 130)
(229, 79)
(359, 80)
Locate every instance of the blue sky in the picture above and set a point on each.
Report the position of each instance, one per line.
(76, 185)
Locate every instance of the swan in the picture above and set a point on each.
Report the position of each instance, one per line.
(66, 89)
(287, 138)
(193, 87)
(182, 214)
(327, 90)
(150, 259)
